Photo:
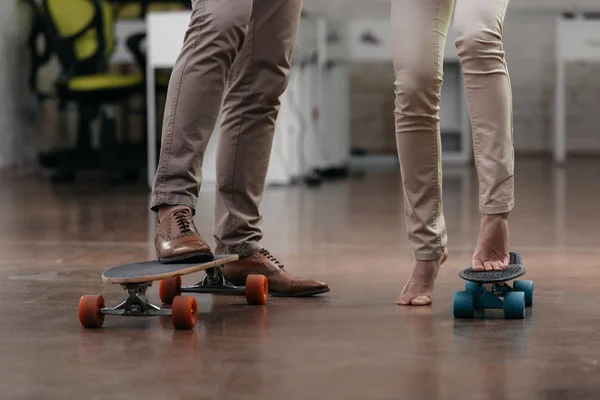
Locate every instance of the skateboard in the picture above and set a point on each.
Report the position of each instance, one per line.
(136, 278)
(489, 290)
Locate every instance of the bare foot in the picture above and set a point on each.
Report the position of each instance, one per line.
(492, 252)
(419, 288)
(163, 211)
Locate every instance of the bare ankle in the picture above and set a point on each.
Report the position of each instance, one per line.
(492, 250)
(418, 291)
(445, 255)
(494, 216)
(434, 258)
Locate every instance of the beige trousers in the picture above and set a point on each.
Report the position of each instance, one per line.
(240, 49)
(419, 29)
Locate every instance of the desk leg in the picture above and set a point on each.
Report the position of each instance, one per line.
(560, 142)
(151, 117)
(560, 206)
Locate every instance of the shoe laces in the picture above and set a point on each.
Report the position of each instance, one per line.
(271, 258)
(183, 222)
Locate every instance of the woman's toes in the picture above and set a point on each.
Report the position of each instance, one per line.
(404, 300)
(478, 266)
(421, 300)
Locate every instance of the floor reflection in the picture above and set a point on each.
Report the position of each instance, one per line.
(353, 343)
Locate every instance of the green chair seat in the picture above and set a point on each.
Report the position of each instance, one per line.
(99, 82)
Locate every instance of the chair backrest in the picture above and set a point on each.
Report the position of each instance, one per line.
(81, 32)
(38, 45)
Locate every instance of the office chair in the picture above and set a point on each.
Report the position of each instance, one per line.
(40, 54)
(39, 57)
(81, 35)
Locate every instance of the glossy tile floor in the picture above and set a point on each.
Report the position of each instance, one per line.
(353, 343)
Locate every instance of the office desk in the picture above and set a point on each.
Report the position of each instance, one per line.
(298, 133)
(125, 28)
(577, 40)
(304, 139)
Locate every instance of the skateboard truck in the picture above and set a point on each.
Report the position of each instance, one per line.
(214, 282)
(183, 312)
(214, 277)
(137, 304)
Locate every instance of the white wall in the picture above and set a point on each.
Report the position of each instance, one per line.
(16, 125)
(530, 40)
(343, 9)
(531, 64)
(529, 37)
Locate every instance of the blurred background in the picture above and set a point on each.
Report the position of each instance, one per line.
(80, 124)
(340, 89)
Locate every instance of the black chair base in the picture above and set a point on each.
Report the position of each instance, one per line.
(123, 164)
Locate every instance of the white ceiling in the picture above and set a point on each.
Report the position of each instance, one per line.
(344, 9)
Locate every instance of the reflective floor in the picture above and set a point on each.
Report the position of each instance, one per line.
(353, 343)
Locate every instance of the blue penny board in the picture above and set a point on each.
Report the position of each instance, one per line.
(148, 271)
(515, 269)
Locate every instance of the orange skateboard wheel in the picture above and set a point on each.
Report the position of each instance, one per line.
(89, 312)
(257, 290)
(184, 312)
(169, 288)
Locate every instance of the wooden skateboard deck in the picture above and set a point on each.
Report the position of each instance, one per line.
(515, 269)
(149, 271)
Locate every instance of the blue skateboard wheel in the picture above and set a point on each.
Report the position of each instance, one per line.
(471, 287)
(527, 288)
(476, 289)
(514, 305)
(463, 305)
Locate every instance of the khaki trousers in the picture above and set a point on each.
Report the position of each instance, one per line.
(239, 49)
(419, 29)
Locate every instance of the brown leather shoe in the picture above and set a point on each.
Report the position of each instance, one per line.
(177, 240)
(281, 283)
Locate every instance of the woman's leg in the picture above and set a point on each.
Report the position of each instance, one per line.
(478, 26)
(419, 34)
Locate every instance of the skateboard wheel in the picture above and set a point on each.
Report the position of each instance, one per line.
(184, 312)
(514, 305)
(475, 288)
(257, 290)
(463, 305)
(471, 286)
(169, 288)
(527, 288)
(89, 312)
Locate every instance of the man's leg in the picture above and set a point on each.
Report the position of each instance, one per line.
(478, 26)
(216, 32)
(258, 78)
(419, 32)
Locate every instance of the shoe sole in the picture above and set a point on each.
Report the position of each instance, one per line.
(188, 258)
(305, 293)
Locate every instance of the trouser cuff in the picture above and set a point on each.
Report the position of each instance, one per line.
(429, 256)
(499, 209)
(242, 250)
(159, 200)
